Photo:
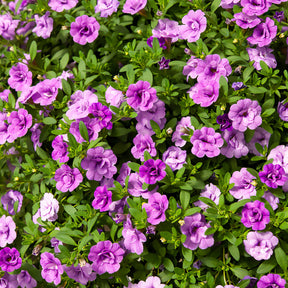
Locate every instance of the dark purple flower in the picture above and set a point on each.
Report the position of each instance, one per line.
(255, 215)
(10, 259)
(271, 280)
(134, 6)
(20, 77)
(262, 54)
(81, 273)
(282, 110)
(60, 5)
(252, 282)
(106, 257)
(106, 7)
(164, 63)
(103, 198)
(55, 243)
(51, 268)
(84, 30)
(194, 228)
(255, 7)
(160, 40)
(102, 115)
(143, 143)
(60, 151)
(151, 230)
(44, 25)
(67, 179)
(25, 280)
(244, 21)
(273, 175)
(8, 200)
(152, 171)
(224, 122)
(7, 230)
(238, 86)
(174, 157)
(279, 16)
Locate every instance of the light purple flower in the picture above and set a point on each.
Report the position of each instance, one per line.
(226, 286)
(134, 6)
(195, 23)
(143, 143)
(10, 259)
(81, 273)
(125, 171)
(255, 215)
(135, 184)
(25, 280)
(8, 26)
(25, 28)
(67, 179)
(194, 228)
(7, 231)
(9, 281)
(211, 192)
(44, 25)
(271, 280)
(273, 175)
(8, 200)
(151, 282)
(228, 4)
(245, 114)
(263, 33)
(84, 30)
(99, 164)
(282, 110)
(224, 122)
(51, 268)
(244, 21)
(261, 136)
(114, 97)
(260, 245)
(5, 94)
(102, 198)
(152, 171)
(252, 7)
(174, 157)
(183, 128)
(60, 151)
(20, 77)
(160, 40)
(238, 86)
(35, 135)
(280, 156)
(262, 54)
(49, 208)
(191, 67)
(106, 7)
(204, 94)
(60, 5)
(106, 257)
(55, 243)
(4, 134)
(244, 186)
(272, 199)
(156, 207)
(206, 142)
(167, 29)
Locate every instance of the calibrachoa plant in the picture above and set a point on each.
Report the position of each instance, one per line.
(144, 143)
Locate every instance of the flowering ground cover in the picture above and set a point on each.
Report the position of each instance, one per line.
(144, 143)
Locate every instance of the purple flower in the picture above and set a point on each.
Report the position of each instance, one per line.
(10, 259)
(60, 151)
(260, 245)
(103, 198)
(245, 114)
(81, 273)
(152, 171)
(167, 29)
(116, 209)
(135, 184)
(25, 280)
(252, 7)
(238, 86)
(160, 40)
(35, 135)
(67, 179)
(273, 175)
(174, 157)
(60, 5)
(106, 7)
(280, 156)
(20, 121)
(134, 6)
(244, 21)
(102, 115)
(194, 228)
(7, 231)
(114, 97)
(206, 142)
(282, 110)
(44, 25)
(51, 268)
(228, 4)
(5, 94)
(195, 23)
(211, 192)
(20, 77)
(271, 280)
(8, 26)
(164, 63)
(204, 94)
(99, 164)
(9, 280)
(272, 200)
(143, 143)
(84, 29)
(263, 33)
(106, 257)
(125, 171)
(55, 243)
(8, 200)
(226, 286)
(4, 134)
(224, 122)
(182, 128)
(92, 126)
(156, 207)
(262, 54)
(236, 145)
(261, 136)
(255, 215)
(191, 68)
(151, 282)
(244, 186)
(279, 16)
(49, 208)
(141, 96)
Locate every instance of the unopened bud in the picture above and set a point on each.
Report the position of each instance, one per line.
(82, 262)
(181, 222)
(116, 78)
(163, 240)
(223, 107)
(169, 131)
(254, 183)
(282, 35)
(235, 41)
(64, 28)
(16, 179)
(139, 31)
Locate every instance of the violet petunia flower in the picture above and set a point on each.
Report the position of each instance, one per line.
(261, 136)
(55, 244)
(238, 86)
(25, 280)
(20, 77)
(60, 151)
(226, 286)
(271, 280)
(191, 67)
(229, 4)
(9, 199)
(134, 6)
(279, 16)
(10, 259)
(282, 110)
(67, 179)
(8, 26)
(4, 95)
(211, 192)
(84, 30)
(102, 198)
(60, 5)
(152, 171)
(245, 114)
(273, 175)
(44, 25)
(114, 97)
(81, 273)
(143, 143)
(150, 282)
(255, 215)
(4, 134)
(106, 7)
(164, 63)
(156, 207)
(272, 199)
(262, 54)
(194, 228)
(160, 40)
(125, 171)
(51, 268)
(174, 157)
(244, 21)
(183, 128)
(135, 184)
(263, 33)
(35, 135)
(224, 122)
(279, 155)
(7, 230)
(102, 115)
(167, 29)
(195, 23)
(206, 142)
(9, 281)
(92, 125)
(260, 245)
(106, 257)
(49, 208)
(252, 7)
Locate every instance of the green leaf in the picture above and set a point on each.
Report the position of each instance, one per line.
(168, 264)
(42, 154)
(83, 131)
(224, 85)
(64, 61)
(155, 127)
(147, 76)
(257, 90)
(281, 258)
(239, 272)
(192, 211)
(235, 206)
(184, 199)
(208, 201)
(34, 272)
(266, 266)
(234, 251)
(65, 238)
(49, 121)
(247, 72)
(33, 47)
(215, 5)
(134, 166)
(268, 112)
(82, 69)
(187, 253)
(66, 87)
(210, 262)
